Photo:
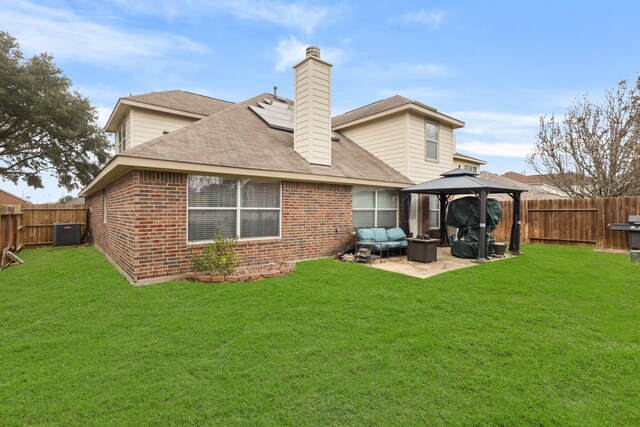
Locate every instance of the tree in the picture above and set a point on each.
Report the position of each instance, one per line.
(594, 151)
(65, 199)
(45, 127)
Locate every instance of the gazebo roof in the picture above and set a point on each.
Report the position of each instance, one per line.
(458, 181)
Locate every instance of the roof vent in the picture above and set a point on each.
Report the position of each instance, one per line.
(313, 51)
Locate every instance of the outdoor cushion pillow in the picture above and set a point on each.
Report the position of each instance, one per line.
(395, 234)
(365, 235)
(380, 234)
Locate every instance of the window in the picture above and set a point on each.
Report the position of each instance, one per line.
(122, 136)
(374, 207)
(104, 205)
(244, 208)
(432, 141)
(434, 211)
(469, 168)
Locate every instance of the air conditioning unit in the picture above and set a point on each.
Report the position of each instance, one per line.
(67, 234)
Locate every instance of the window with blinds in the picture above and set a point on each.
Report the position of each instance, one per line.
(374, 207)
(434, 211)
(244, 208)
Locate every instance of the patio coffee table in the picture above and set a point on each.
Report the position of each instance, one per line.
(422, 250)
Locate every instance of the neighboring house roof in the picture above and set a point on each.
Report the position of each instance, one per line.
(169, 101)
(468, 158)
(236, 140)
(535, 178)
(389, 106)
(76, 201)
(533, 192)
(7, 198)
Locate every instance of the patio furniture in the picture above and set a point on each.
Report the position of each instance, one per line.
(380, 240)
(422, 250)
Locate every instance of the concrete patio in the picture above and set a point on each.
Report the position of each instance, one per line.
(446, 262)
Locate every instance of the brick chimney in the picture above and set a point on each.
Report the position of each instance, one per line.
(312, 108)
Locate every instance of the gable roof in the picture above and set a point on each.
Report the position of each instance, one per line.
(236, 140)
(182, 101)
(459, 155)
(536, 178)
(177, 102)
(389, 106)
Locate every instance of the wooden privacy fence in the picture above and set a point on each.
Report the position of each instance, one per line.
(32, 225)
(571, 221)
(10, 226)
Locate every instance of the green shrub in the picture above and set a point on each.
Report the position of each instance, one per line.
(218, 256)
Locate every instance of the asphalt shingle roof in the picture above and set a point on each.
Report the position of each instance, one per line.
(183, 101)
(237, 137)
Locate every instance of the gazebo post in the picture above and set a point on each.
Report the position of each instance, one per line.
(444, 236)
(514, 241)
(406, 207)
(482, 243)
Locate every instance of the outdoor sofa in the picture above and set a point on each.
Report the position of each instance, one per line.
(381, 240)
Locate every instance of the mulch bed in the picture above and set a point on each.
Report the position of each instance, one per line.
(246, 274)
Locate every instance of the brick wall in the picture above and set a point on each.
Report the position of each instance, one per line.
(316, 222)
(10, 199)
(115, 237)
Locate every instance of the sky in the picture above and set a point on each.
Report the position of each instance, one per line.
(496, 65)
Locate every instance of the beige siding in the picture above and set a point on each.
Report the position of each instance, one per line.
(421, 169)
(151, 124)
(312, 138)
(385, 138)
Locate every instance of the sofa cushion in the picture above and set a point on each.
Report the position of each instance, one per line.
(395, 234)
(365, 235)
(380, 235)
(394, 245)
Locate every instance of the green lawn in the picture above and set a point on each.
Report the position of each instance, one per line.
(552, 337)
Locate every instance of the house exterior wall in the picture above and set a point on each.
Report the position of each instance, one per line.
(148, 240)
(115, 237)
(422, 169)
(10, 199)
(385, 138)
(151, 124)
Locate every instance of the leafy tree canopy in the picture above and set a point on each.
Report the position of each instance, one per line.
(594, 151)
(45, 127)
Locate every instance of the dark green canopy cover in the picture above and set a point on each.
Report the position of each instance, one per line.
(464, 214)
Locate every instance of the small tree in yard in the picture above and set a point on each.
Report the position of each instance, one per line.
(44, 126)
(595, 150)
(218, 257)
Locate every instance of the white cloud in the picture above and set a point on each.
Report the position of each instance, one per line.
(429, 18)
(296, 15)
(290, 51)
(68, 35)
(496, 133)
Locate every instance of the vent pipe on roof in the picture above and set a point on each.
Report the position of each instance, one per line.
(312, 108)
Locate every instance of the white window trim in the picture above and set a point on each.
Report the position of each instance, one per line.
(238, 209)
(375, 208)
(434, 210)
(427, 140)
(121, 140)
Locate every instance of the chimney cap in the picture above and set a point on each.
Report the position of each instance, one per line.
(313, 51)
